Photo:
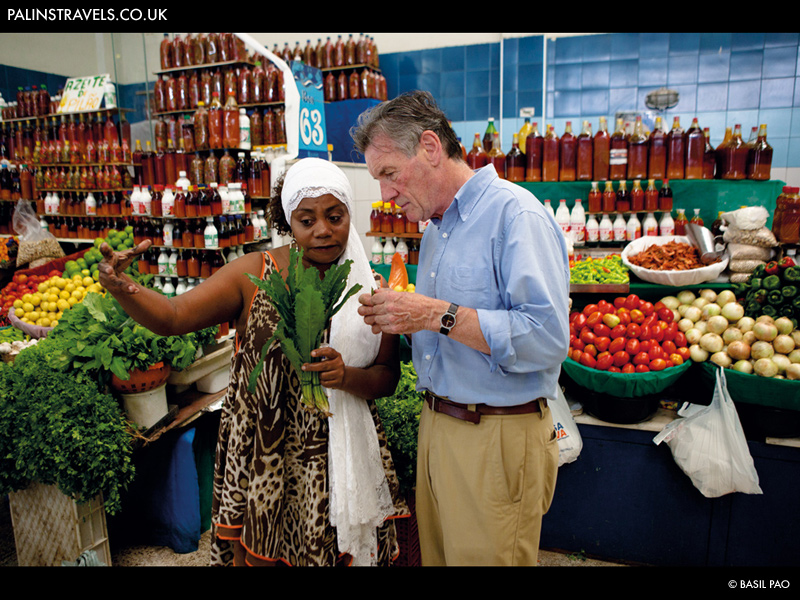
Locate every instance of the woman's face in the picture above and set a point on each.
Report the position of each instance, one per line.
(321, 227)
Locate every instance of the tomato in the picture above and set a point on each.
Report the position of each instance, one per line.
(604, 362)
(658, 305)
(642, 358)
(658, 364)
(642, 369)
(624, 316)
(657, 333)
(579, 321)
(637, 316)
(619, 302)
(669, 346)
(590, 349)
(589, 309)
(632, 346)
(666, 314)
(647, 308)
(655, 352)
(576, 355)
(670, 331)
(683, 352)
(21, 278)
(601, 330)
(629, 368)
(631, 302)
(587, 360)
(645, 334)
(649, 320)
(602, 342)
(587, 336)
(614, 369)
(578, 344)
(645, 345)
(618, 332)
(633, 330)
(680, 339)
(594, 318)
(621, 358)
(676, 359)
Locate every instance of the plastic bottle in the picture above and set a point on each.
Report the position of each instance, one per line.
(163, 262)
(522, 134)
(388, 251)
(168, 203)
(91, 204)
(167, 230)
(601, 147)
(637, 197)
(563, 217)
(548, 206)
(488, 135)
(550, 158)
(577, 223)
(759, 158)
(173, 262)
(145, 200)
(666, 226)
(476, 157)
(515, 162)
(497, 157)
(609, 197)
(623, 201)
(168, 288)
(633, 228)
(650, 225)
(402, 250)
(210, 234)
(657, 151)
(135, 200)
(675, 151)
(533, 154)
(620, 228)
(680, 222)
(694, 150)
(606, 230)
(245, 142)
(696, 219)
(583, 160)
(181, 287)
(638, 146)
(665, 197)
(592, 231)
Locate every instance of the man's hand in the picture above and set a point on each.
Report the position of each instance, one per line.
(112, 268)
(387, 311)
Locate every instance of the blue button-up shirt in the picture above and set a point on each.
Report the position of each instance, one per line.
(497, 250)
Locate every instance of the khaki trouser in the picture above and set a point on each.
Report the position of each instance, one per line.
(482, 489)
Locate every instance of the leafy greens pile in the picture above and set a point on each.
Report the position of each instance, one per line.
(305, 301)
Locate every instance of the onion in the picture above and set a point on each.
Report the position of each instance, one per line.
(732, 334)
(733, 311)
(784, 325)
(685, 324)
(761, 349)
(700, 302)
(682, 309)
(721, 358)
(711, 342)
(782, 362)
(697, 354)
(717, 324)
(743, 366)
(746, 324)
(693, 313)
(765, 367)
(765, 319)
(709, 295)
(671, 302)
(711, 309)
(783, 343)
(765, 330)
(701, 325)
(686, 297)
(794, 355)
(749, 337)
(693, 335)
(739, 350)
(793, 371)
(725, 296)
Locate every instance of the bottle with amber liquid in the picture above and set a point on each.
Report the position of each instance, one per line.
(515, 161)
(583, 159)
(609, 198)
(675, 151)
(681, 222)
(657, 151)
(476, 157)
(759, 160)
(719, 152)
(665, 197)
(637, 196)
(618, 153)
(734, 156)
(496, 157)
(638, 146)
(533, 154)
(568, 146)
(651, 196)
(601, 146)
(594, 203)
(694, 149)
(623, 202)
(696, 218)
(488, 136)
(550, 148)
(709, 156)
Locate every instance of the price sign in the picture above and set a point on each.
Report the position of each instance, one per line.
(83, 93)
(311, 107)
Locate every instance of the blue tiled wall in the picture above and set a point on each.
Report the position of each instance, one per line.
(722, 78)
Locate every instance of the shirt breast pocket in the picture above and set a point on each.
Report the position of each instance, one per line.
(473, 286)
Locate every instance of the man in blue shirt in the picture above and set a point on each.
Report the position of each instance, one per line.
(489, 330)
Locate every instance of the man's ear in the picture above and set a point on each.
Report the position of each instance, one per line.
(431, 145)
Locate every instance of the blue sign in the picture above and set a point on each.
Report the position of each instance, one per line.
(312, 107)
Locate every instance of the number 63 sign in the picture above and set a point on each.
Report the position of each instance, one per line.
(312, 107)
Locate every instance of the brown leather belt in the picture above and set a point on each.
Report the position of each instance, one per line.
(473, 412)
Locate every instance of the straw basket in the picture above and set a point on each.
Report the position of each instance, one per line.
(142, 380)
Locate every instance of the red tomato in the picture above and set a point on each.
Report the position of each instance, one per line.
(624, 316)
(605, 307)
(676, 359)
(658, 364)
(631, 302)
(617, 345)
(587, 336)
(576, 355)
(619, 301)
(670, 331)
(21, 278)
(604, 362)
(594, 318)
(669, 346)
(680, 339)
(601, 330)
(629, 368)
(658, 305)
(602, 343)
(589, 309)
(633, 330)
(645, 345)
(649, 320)
(579, 321)
(642, 358)
(621, 358)
(657, 333)
(666, 314)
(655, 352)
(613, 369)
(647, 308)
(578, 344)
(632, 346)
(645, 333)
(683, 352)
(642, 369)
(618, 332)
(587, 360)
(590, 349)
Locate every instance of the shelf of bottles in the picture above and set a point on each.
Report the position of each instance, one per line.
(393, 233)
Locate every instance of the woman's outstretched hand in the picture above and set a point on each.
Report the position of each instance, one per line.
(112, 267)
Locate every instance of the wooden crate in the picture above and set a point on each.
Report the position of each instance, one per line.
(50, 527)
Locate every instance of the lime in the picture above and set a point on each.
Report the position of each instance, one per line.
(98, 241)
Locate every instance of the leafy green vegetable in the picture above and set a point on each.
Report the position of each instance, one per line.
(305, 301)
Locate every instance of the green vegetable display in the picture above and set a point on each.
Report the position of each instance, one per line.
(306, 301)
(772, 289)
(608, 270)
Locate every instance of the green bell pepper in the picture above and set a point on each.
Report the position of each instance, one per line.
(786, 310)
(775, 297)
(789, 291)
(769, 310)
(755, 283)
(771, 282)
(758, 271)
(791, 274)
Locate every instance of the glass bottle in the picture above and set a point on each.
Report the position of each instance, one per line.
(696, 218)
(637, 196)
(526, 129)
(496, 157)
(594, 202)
(488, 135)
(681, 222)
(709, 156)
(759, 160)
(694, 149)
(476, 157)
(657, 152)
(638, 143)
(665, 197)
(567, 154)
(583, 162)
(215, 122)
(515, 161)
(618, 153)
(651, 196)
(719, 152)
(734, 156)
(550, 147)
(533, 154)
(609, 197)
(675, 151)
(623, 201)
(601, 148)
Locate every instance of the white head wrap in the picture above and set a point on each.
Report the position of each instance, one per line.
(359, 499)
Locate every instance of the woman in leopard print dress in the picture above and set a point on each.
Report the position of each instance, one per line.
(273, 502)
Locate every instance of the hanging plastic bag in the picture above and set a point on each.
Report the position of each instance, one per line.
(569, 438)
(37, 246)
(708, 444)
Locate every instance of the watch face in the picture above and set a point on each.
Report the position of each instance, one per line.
(448, 320)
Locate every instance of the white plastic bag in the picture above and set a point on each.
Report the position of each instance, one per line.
(569, 438)
(708, 444)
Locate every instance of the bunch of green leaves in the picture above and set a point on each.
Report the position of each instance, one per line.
(103, 339)
(61, 429)
(305, 301)
(399, 414)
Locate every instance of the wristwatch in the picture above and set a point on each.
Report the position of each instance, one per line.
(448, 319)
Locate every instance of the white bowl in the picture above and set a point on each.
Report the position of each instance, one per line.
(673, 278)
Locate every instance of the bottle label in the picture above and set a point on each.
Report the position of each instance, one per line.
(211, 240)
(618, 156)
(592, 234)
(606, 234)
(377, 258)
(667, 230)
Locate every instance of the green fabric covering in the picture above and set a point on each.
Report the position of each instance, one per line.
(623, 385)
(753, 389)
